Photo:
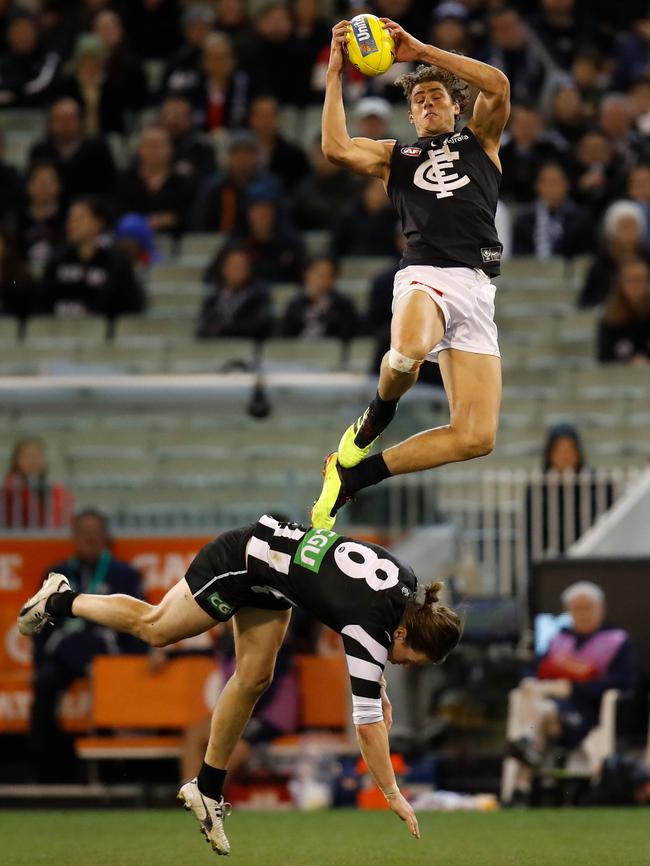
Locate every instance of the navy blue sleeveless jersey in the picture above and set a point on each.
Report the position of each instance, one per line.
(445, 189)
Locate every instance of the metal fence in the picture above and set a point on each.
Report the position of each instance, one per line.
(508, 518)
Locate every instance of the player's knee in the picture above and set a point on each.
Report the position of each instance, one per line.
(477, 443)
(254, 681)
(406, 356)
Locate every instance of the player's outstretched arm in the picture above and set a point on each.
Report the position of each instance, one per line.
(492, 106)
(373, 742)
(362, 155)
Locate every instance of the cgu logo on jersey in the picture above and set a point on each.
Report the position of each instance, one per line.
(432, 175)
(313, 548)
(363, 35)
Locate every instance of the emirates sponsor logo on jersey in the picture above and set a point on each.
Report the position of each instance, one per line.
(435, 175)
(411, 151)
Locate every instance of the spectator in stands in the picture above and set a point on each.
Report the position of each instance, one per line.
(152, 188)
(276, 248)
(616, 122)
(624, 231)
(153, 27)
(563, 30)
(624, 329)
(366, 227)
(638, 190)
(29, 499)
(183, 72)
(123, 68)
(84, 163)
(222, 94)
(598, 174)
(526, 147)
(222, 200)
(192, 158)
(101, 102)
(373, 115)
(276, 62)
(324, 192)
(239, 305)
(412, 16)
(284, 159)
(17, 296)
(512, 50)
(569, 115)
(63, 654)
(89, 275)
(559, 702)
(633, 55)
(10, 185)
(589, 73)
(553, 225)
(639, 96)
(232, 19)
(312, 33)
(39, 225)
(320, 309)
(27, 69)
(449, 28)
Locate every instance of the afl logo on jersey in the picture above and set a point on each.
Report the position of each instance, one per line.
(411, 151)
(434, 175)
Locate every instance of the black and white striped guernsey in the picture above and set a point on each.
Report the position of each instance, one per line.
(356, 588)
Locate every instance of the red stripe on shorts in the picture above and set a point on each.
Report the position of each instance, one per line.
(420, 283)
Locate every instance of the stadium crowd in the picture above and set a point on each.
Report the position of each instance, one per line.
(79, 228)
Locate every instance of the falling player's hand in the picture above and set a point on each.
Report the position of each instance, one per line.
(403, 809)
(339, 40)
(407, 47)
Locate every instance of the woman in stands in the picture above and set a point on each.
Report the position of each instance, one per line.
(256, 575)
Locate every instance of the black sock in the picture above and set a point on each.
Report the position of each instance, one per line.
(60, 604)
(370, 471)
(210, 781)
(377, 417)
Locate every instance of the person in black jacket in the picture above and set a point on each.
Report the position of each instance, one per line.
(239, 305)
(84, 163)
(152, 188)
(284, 159)
(553, 225)
(366, 227)
(324, 192)
(40, 220)
(192, 157)
(624, 330)
(276, 248)
(320, 309)
(63, 654)
(90, 275)
(27, 69)
(123, 68)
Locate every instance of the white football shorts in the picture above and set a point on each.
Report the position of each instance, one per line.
(466, 298)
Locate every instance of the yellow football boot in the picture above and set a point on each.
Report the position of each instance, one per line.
(332, 496)
(349, 453)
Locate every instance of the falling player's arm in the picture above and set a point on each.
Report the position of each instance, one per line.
(492, 106)
(361, 155)
(369, 713)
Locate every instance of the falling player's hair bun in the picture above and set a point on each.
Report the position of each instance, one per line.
(432, 592)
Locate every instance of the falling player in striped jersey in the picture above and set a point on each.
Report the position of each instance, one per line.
(256, 575)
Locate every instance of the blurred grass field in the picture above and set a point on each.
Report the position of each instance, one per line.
(338, 838)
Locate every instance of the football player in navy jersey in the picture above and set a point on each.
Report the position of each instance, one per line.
(444, 187)
(256, 575)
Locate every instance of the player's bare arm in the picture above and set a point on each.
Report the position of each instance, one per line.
(361, 155)
(492, 106)
(373, 743)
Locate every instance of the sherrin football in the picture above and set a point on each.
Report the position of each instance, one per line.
(371, 48)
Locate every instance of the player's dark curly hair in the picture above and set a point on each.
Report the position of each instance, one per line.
(457, 89)
(432, 627)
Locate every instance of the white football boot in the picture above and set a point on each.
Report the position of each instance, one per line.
(33, 617)
(209, 813)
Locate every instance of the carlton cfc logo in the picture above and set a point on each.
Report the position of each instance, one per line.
(433, 176)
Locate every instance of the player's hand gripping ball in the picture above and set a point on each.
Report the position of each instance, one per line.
(370, 47)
